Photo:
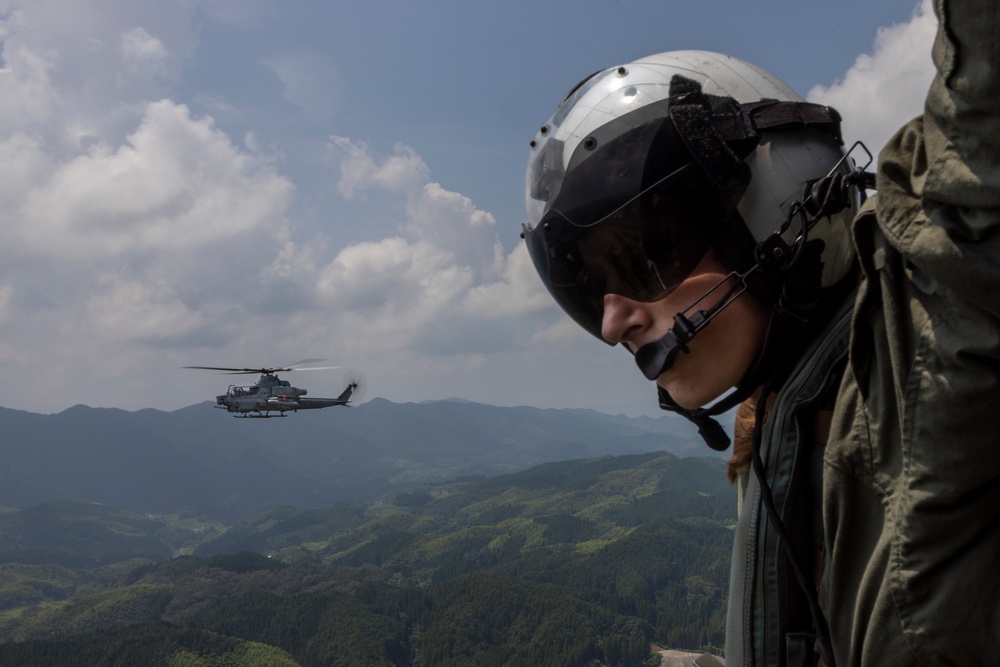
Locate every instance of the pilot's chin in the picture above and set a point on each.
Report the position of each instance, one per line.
(685, 397)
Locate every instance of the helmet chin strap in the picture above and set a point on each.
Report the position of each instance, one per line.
(709, 428)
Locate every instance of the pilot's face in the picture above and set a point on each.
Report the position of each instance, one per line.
(720, 353)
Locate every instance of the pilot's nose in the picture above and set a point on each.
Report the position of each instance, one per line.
(624, 319)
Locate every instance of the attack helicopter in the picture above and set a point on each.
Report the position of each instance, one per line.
(270, 394)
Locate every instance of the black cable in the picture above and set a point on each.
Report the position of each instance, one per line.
(805, 583)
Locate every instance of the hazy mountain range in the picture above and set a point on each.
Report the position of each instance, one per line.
(201, 461)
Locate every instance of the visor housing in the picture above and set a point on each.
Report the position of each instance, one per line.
(628, 214)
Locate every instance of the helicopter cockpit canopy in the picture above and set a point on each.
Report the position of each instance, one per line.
(236, 390)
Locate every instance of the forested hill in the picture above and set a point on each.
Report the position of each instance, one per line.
(200, 460)
(576, 563)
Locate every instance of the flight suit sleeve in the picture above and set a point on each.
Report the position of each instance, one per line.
(911, 488)
(962, 131)
(939, 186)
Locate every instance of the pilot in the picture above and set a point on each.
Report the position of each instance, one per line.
(694, 209)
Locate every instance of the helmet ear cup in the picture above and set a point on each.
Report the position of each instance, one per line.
(784, 167)
(826, 196)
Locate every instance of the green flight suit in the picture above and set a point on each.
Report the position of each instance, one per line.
(911, 483)
(910, 509)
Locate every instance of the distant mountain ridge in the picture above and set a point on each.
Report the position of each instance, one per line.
(199, 460)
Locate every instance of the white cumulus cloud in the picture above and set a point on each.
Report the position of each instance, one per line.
(886, 87)
(310, 80)
(144, 54)
(444, 284)
(27, 96)
(176, 183)
(401, 172)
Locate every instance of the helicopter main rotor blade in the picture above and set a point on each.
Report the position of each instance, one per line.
(303, 362)
(222, 368)
(239, 371)
(297, 366)
(301, 365)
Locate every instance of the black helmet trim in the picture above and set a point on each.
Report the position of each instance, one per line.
(695, 116)
(717, 128)
(720, 133)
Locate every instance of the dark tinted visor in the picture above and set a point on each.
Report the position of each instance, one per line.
(629, 216)
(641, 251)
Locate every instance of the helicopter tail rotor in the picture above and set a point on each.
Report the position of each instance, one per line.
(356, 387)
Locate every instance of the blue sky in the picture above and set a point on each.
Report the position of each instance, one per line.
(251, 182)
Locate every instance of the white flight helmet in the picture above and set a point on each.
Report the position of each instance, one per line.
(645, 166)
